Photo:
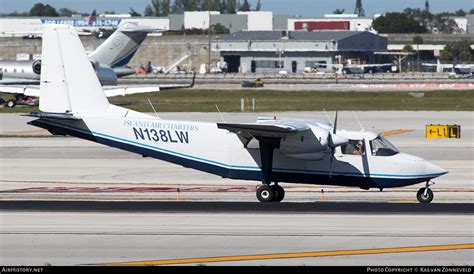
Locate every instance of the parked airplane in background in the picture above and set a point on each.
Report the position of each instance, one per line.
(272, 151)
(456, 70)
(108, 61)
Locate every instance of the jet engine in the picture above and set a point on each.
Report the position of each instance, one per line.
(36, 66)
(106, 74)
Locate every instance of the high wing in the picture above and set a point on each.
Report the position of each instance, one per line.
(30, 89)
(176, 86)
(110, 91)
(375, 65)
(259, 130)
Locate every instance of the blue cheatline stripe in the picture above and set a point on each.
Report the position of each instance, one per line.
(175, 153)
(124, 60)
(246, 168)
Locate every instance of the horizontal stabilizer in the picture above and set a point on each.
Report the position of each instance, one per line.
(110, 91)
(55, 116)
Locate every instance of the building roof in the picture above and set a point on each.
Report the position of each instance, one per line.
(292, 35)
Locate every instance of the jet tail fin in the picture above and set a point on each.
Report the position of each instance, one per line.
(121, 46)
(68, 82)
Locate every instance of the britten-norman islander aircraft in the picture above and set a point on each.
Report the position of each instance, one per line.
(271, 151)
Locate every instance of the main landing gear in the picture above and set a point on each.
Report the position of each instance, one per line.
(273, 193)
(268, 192)
(425, 195)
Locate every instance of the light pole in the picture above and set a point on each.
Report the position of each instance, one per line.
(209, 37)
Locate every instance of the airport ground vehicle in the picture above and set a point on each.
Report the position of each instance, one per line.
(21, 100)
(257, 83)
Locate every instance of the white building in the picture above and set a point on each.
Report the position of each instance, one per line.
(258, 20)
(197, 19)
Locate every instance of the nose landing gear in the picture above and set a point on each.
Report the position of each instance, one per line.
(424, 194)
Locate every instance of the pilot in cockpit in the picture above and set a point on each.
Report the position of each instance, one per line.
(358, 149)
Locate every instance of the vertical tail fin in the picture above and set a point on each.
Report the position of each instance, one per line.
(120, 47)
(68, 82)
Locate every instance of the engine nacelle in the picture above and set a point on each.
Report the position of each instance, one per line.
(306, 145)
(36, 66)
(106, 74)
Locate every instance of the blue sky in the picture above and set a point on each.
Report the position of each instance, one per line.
(294, 7)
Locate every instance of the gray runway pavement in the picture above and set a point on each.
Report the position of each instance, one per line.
(77, 238)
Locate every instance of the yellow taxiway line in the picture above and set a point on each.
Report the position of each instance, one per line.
(395, 132)
(296, 255)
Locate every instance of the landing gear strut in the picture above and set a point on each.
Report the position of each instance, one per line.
(425, 195)
(268, 192)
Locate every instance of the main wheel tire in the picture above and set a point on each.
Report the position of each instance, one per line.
(11, 103)
(279, 193)
(265, 194)
(425, 199)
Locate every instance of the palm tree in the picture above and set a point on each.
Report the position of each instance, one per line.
(417, 40)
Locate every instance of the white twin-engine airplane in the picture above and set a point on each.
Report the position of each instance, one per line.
(271, 151)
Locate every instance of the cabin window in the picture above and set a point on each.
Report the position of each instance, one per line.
(353, 147)
(382, 147)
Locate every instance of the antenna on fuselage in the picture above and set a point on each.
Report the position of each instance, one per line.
(327, 116)
(156, 114)
(355, 116)
(218, 110)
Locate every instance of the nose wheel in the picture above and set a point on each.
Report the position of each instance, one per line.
(273, 193)
(424, 194)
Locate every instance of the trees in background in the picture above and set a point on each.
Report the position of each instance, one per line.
(162, 8)
(417, 40)
(420, 21)
(396, 22)
(458, 52)
(39, 9)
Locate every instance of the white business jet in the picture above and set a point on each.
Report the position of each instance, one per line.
(270, 150)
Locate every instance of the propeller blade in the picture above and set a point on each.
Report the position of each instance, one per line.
(330, 163)
(335, 124)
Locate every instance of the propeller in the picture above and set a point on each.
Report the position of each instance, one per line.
(332, 146)
(333, 142)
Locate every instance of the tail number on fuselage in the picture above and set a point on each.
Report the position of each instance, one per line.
(167, 136)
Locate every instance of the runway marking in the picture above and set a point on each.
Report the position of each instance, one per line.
(296, 255)
(318, 187)
(26, 131)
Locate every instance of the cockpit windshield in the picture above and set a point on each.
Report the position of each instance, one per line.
(382, 147)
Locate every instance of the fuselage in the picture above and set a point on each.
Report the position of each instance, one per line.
(204, 147)
(24, 70)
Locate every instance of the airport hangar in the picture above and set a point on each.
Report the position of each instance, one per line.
(293, 51)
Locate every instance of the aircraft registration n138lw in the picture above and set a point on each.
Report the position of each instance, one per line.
(271, 151)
